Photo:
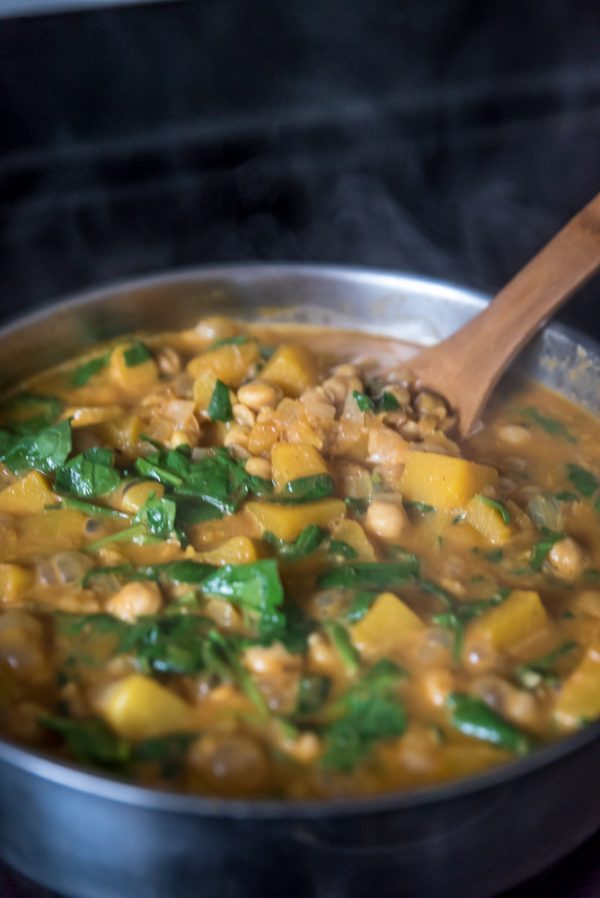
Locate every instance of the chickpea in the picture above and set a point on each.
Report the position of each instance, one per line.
(428, 403)
(134, 600)
(514, 434)
(257, 395)
(231, 763)
(259, 467)
(237, 435)
(243, 415)
(437, 684)
(385, 519)
(346, 370)
(168, 361)
(566, 558)
(216, 327)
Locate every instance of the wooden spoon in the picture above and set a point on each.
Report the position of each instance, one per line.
(466, 366)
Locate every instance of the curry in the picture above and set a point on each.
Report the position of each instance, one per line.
(252, 562)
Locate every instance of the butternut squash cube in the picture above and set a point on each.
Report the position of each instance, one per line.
(351, 532)
(292, 368)
(288, 521)
(204, 386)
(520, 616)
(229, 363)
(123, 433)
(131, 378)
(27, 495)
(290, 461)
(443, 480)
(579, 697)
(137, 707)
(14, 583)
(386, 626)
(488, 521)
(237, 550)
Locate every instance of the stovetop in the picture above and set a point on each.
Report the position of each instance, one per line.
(577, 876)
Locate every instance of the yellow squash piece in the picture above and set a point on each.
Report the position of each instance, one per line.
(443, 481)
(138, 707)
(351, 532)
(386, 626)
(237, 550)
(122, 433)
(287, 521)
(579, 698)
(488, 521)
(229, 363)
(131, 378)
(28, 495)
(15, 580)
(292, 368)
(520, 616)
(290, 461)
(204, 387)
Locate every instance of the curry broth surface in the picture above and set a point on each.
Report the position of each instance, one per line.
(251, 561)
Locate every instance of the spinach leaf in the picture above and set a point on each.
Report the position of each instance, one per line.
(550, 425)
(90, 741)
(305, 489)
(167, 751)
(219, 407)
(372, 575)
(541, 670)
(364, 402)
(313, 690)
(340, 640)
(498, 506)
(88, 508)
(369, 712)
(342, 549)
(256, 586)
(45, 450)
(291, 628)
(583, 480)
(43, 411)
(136, 355)
(89, 474)
(472, 717)
(421, 507)
(238, 340)
(356, 506)
(307, 542)
(82, 374)
(158, 515)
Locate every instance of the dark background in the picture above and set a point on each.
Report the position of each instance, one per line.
(447, 138)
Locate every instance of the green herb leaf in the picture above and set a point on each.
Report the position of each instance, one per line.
(42, 411)
(550, 425)
(421, 507)
(364, 402)
(135, 534)
(541, 670)
(356, 506)
(238, 340)
(89, 474)
(359, 606)
(82, 374)
(136, 355)
(342, 549)
(369, 712)
(372, 575)
(540, 550)
(44, 450)
(307, 542)
(313, 690)
(256, 586)
(472, 717)
(88, 508)
(583, 480)
(219, 407)
(498, 506)
(90, 741)
(168, 752)
(305, 489)
(387, 402)
(158, 515)
(341, 642)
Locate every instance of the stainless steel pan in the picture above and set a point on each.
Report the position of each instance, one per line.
(90, 836)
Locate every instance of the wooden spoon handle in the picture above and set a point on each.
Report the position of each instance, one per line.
(481, 351)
